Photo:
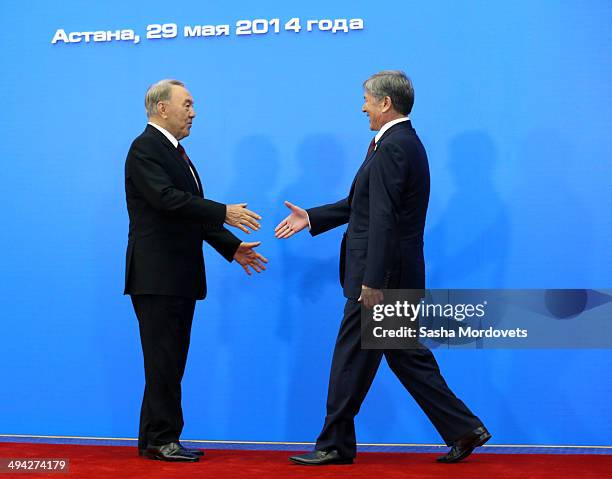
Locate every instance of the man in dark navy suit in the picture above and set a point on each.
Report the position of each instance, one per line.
(169, 220)
(382, 249)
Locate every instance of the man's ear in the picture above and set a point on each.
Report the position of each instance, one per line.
(387, 104)
(161, 109)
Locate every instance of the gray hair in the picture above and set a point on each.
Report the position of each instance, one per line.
(160, 91)
(394, 84)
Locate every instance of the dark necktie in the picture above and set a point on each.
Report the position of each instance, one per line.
(183, 153)
(371, 147)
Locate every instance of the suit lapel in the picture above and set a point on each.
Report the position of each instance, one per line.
(404, 124)
(195, 172)
(179, 159)
(363, 165)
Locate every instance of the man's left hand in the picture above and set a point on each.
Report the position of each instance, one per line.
(370, 297)
(247, 257)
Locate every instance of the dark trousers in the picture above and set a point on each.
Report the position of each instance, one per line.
(352, 372)
(165, 330)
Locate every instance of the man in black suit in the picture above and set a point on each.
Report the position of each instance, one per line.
(382, 249)
(169, 220)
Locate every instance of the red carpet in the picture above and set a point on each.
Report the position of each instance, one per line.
(117, 462)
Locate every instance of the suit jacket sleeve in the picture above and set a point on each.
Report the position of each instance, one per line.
(152, 181)
(388, 174)
(326, 217)
(223, 241)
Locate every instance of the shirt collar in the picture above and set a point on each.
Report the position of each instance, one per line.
(166, 133)
(388, 125)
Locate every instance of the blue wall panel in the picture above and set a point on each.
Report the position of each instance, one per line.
(513, 104)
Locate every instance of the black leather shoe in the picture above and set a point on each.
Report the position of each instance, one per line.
(466, 445)
(172, 452)
(321, 458)
(195, 452)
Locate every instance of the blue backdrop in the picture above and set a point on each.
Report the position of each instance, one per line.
(513, 104)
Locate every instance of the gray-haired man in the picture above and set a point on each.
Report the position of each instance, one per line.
(382, 249)
(169, 220)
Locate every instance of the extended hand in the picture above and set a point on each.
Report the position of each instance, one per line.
(370, 297)
(292, 224)
(246, 256)
(240, 217)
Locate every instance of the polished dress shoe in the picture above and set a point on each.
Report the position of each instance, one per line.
(195, 452)
(321, 458)
(172, 452)
(464, 446)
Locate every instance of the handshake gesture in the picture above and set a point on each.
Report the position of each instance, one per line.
(240, 217)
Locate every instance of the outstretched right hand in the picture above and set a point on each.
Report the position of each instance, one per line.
(239, 217)
(292, 224)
